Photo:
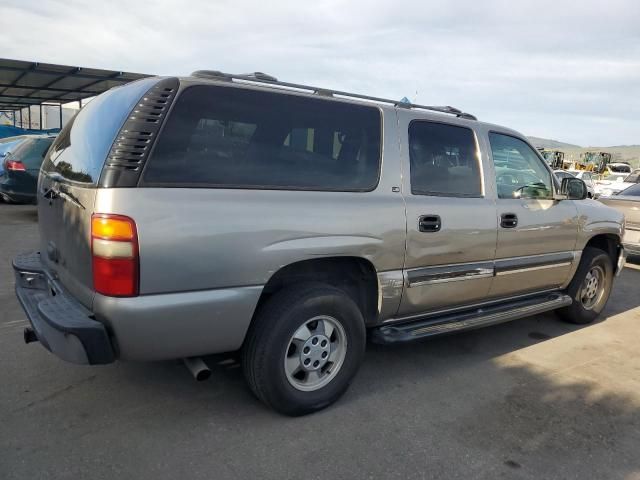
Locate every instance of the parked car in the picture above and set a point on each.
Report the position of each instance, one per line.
(586, 177)
(616, 183)
(21, 167)
(237, 213)
(628, 202)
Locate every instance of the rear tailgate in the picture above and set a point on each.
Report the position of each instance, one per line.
(68, 184)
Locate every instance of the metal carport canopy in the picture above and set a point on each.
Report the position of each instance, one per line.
(32, 83)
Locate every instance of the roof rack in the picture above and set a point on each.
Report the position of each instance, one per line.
(260, 77)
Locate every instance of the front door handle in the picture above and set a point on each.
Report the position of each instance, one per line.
(508, 220)
(429, 223)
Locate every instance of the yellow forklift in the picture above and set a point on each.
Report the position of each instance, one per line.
(554, 158)
(595, 162)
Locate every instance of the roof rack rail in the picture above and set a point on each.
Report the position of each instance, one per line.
(260, 77)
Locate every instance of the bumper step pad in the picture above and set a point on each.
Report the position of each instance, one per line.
(61, 323)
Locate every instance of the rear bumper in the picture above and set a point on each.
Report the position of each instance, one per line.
(13, 192)
(61, 324)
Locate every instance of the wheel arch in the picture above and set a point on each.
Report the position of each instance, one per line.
(356, 276)
(607, 242)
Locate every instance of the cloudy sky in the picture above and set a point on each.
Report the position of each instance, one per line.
(559, 69)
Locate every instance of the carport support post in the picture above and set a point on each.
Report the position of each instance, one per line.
(20, 111)
(14, 118)
(29, 116)
(40, 116)
(60, 112)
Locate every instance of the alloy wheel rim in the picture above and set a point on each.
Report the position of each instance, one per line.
(315, 353)
(592, 287)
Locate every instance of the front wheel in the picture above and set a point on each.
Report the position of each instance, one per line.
(590, 287)
(304, 348)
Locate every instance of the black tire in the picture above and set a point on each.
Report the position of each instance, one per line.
(268, 339)
(581, 312)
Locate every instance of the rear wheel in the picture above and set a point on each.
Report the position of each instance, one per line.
(304, 348)
(590, 287)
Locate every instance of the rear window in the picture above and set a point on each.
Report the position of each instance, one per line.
(31, 152)
(240, 138)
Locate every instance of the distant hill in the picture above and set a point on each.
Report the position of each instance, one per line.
(547, 143)
(620, 153)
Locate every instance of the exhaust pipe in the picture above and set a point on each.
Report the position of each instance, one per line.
(29, 335)
(198, 368)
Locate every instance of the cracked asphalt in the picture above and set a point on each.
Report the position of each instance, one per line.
(535, 398)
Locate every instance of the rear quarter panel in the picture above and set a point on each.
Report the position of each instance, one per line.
(205, 238)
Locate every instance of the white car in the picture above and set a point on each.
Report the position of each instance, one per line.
(614, 184)
(586, 177)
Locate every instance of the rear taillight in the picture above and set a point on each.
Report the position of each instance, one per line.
(114, 248)
(14, 165)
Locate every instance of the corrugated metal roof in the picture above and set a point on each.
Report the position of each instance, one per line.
(32, 83)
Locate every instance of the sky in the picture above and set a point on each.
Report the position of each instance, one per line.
(564, 70)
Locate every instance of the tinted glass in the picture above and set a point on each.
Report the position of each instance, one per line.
(520, 173)
(81, 147)
(633, 190)
(444, 160)
(31, 152)
(231, 137)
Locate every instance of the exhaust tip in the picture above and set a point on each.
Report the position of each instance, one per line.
(29, 335)
(203, 375)
(198, 368)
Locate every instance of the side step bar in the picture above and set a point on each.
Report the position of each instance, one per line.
(470, 319)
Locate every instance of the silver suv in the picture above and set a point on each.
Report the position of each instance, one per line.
(182, 217)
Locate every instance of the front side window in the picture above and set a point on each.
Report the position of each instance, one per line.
(520, 173)
(239, 138)
(444, 160)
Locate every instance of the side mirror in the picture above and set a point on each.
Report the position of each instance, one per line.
(573, 189)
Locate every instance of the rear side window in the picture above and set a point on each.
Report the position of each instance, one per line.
(444, 160)
(80, 149)
(239, 138)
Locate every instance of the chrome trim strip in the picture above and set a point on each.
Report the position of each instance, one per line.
(531, 269)
(449, 273)
(519, 263)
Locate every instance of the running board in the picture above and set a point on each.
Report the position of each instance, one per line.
(469, 319)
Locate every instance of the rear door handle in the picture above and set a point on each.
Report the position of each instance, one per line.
(429, 223)
(508, 220)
